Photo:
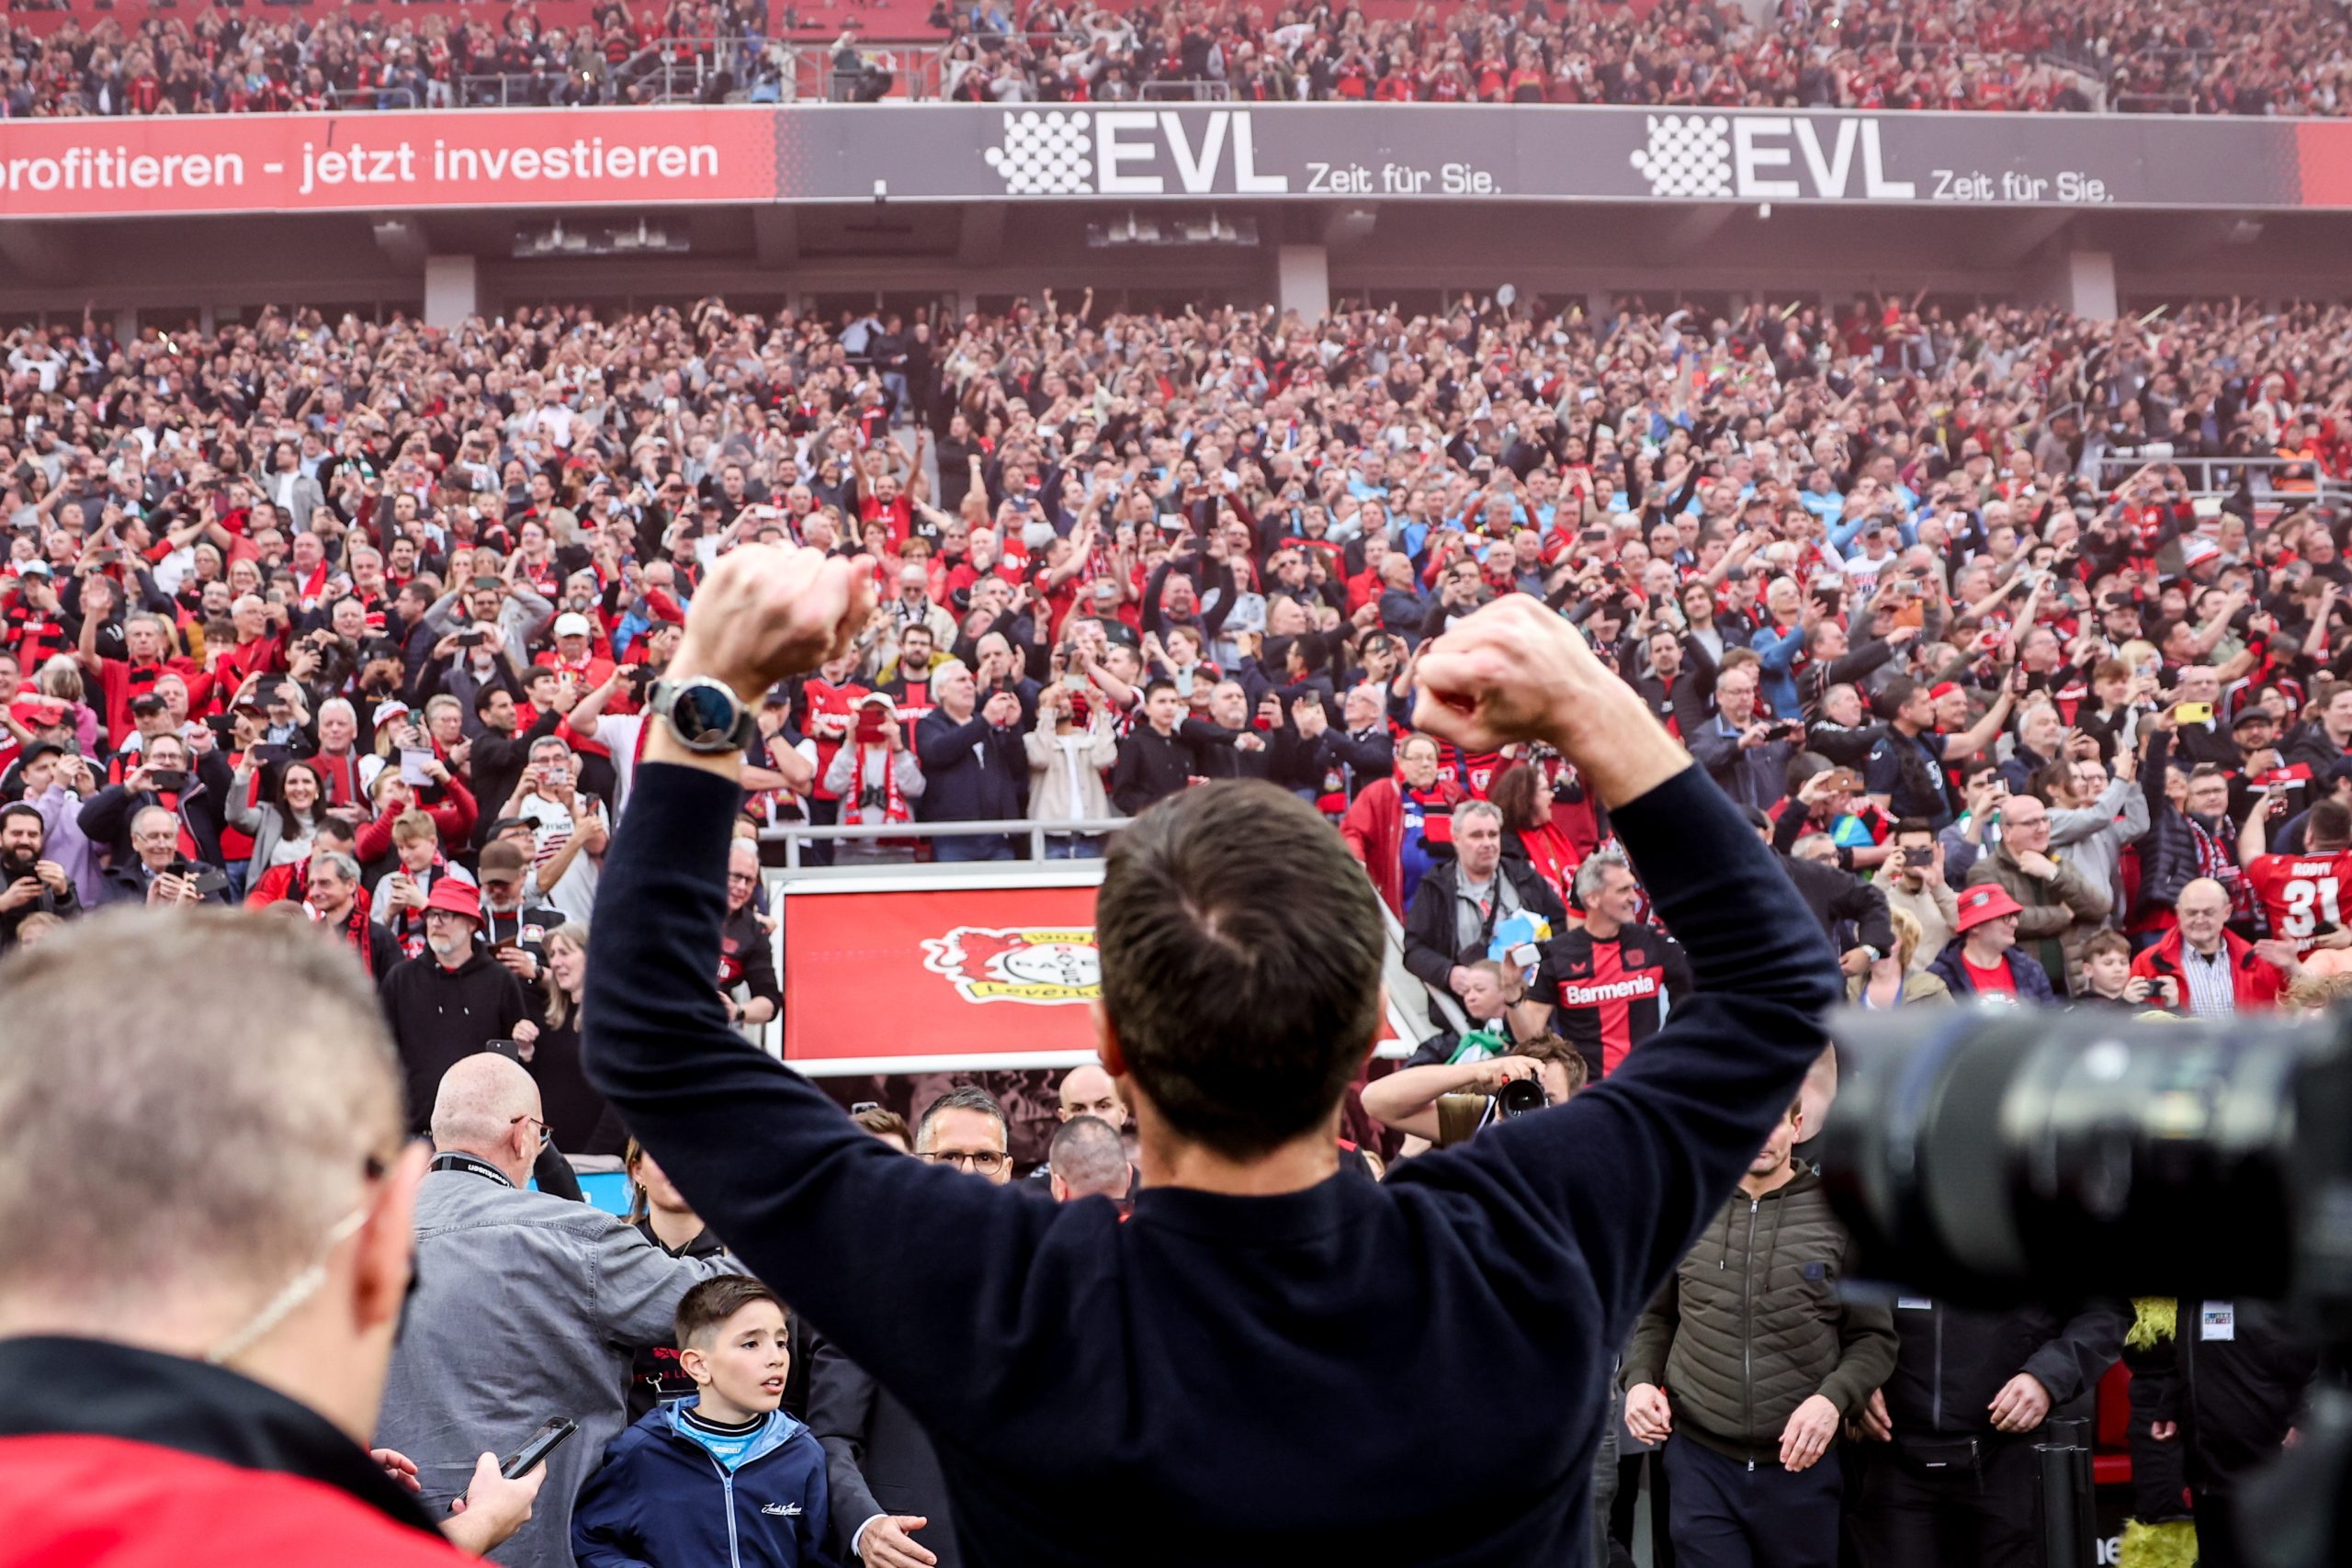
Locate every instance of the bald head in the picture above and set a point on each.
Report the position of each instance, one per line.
(2203, 909)
(1088, 1160)
(1087, 1091)
(485, 1107)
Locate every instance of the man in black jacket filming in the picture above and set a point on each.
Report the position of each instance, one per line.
(1079, 1374)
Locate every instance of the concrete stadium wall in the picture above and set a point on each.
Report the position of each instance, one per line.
(176, 269)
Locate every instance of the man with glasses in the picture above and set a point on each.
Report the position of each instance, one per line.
(451, 1001)
(747, 980)
(2059, 907)
(889, 1498)
(528, 1306)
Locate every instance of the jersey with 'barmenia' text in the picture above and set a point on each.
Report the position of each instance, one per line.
(1609, 994)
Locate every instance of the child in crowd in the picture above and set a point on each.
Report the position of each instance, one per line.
(2108, 979)
(723, 1476)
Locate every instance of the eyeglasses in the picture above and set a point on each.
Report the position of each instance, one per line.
(986, 1162)
(547, 1132)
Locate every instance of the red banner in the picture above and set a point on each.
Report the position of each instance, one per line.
(118, 168)
(887, 982)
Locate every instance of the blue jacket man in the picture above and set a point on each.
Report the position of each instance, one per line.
(663, 1498)
(974, 769)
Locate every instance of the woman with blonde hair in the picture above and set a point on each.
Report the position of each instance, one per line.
(583, 1121)
(60, 681)
(1890, 982)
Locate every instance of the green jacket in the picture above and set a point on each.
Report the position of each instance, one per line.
(1750, 1326)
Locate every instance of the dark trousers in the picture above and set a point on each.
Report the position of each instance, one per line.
(2217, 1527)
(821, 814)
(1726, 1515)
(1625, 1507)
(1953, 1516)
(964, 848)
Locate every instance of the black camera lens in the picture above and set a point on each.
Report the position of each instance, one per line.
(1992, 1158)
(1518, 1097)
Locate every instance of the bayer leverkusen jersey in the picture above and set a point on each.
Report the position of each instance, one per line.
(2304, 896)
(1609, 994)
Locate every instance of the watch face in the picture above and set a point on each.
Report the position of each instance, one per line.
(703, 716)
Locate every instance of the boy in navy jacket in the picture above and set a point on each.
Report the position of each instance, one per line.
(724, 1476)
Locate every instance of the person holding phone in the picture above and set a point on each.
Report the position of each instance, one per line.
(191, 792)
(1743, 749)
(1917, 887)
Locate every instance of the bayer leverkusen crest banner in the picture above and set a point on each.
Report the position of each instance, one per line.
(932, 976)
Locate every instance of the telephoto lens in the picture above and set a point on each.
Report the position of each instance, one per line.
(1518, 1097)
(1996, 1156)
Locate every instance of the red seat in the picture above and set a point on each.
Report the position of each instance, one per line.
(2111, 1443)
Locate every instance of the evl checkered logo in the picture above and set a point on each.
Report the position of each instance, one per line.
(1767, 158)
(1104, 151)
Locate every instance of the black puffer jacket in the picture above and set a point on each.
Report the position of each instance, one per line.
(2168, 849)
(1751, 1325)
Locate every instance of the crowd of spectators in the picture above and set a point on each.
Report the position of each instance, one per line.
(1986, 54)
(2021, 637)
(213, 60)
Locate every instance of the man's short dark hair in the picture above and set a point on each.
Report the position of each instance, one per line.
(1087, 1155)
(1156, 685)
(2328, 827)
(708, 1305)
(482, 698)
(1915, 824)
(1893, 696)
(966, 1097)
(1241, 950)
(19, 808)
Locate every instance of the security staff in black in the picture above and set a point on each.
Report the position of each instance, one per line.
(1953, 1486)
(2235, 1381)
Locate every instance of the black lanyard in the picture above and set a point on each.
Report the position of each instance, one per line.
(470, 1165)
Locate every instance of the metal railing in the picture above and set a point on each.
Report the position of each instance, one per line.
(1186, 92)
(2210, 476)
(794, 836)
(667, 70)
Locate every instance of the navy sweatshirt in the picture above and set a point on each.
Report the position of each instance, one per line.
(1411, 1372)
